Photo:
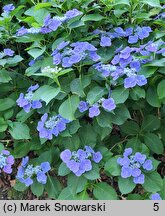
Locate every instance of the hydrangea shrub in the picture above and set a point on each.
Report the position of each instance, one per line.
(82, 100)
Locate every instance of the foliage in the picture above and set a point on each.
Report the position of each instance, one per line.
(77, 75)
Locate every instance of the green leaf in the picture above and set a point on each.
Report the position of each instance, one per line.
(1, 147)
(154, 143)
(3, 124)
(63, 170)
(4, 76)
(153, 182)
(92, 17)
(137, 93)
(21, 149)
(161, 89)
(157, 63)
(152, 97)
(130, 127)
(121, 115)
(120, 95)
(77, 85)
(42, 5)
(67, 194)
(19, 130)
(112, 167)
(104, 120)
(120, 2)
(69, 107)
(46, 93)
(76, 184)
(150, 123)
(152, 3)
(126, 185)
(16, 59)
(52, 187)
(6, 103)
(103, 191)
(20, 186)
(37, 188)
(93, 174)
(36, 52)
(95, 94)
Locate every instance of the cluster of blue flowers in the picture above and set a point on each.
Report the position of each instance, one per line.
(134, 165)
(79, 161)
(26, 101)
(155, 196)
(6, 161)
(6, 52)
(8, 8)
(52, 126)
(70, 55)
(94, 110)
(26, 172)
(50, 24)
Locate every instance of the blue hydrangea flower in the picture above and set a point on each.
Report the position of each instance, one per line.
(22, 31)
(52, 126)
(72, 13)
(155, 196)
(26, 173)
(68, 55)
(6, 161)
(134, 166)
(79, 161)
(94, 111)
(8, 52)
(134, 80)
(83, 106)
(26, 101)
(108, 104)
(105, 41)
(133, 39)
(8, 8)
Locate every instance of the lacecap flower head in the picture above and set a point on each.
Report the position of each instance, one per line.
(26, 101)
(6, 161)
(79, 161)
(54, 125)
(134, 165)
(27, 172)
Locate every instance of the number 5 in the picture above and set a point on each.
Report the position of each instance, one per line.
(156, 207)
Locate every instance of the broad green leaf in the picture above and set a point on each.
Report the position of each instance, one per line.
(19, 130)
(95, 94)
(36, 52)
(130, 128)
(69, 107)
(3, 124)
(92, 17)
(154, 143)
(16, 59)
(152, 97)
(76, 184)
(93, 174)
(112, 167)
(67, 194)
(20, 186)
(6, 103)
(46, 93)
(37, 188)
(52, 187)
(63, 170)
(126, 185)
(1, 147)
(153, 182)
(104, 120)
(4, 76)
(103, 191)
(152, 3)
(150, 123)
(120, 95)
(121, 114)
(161, 89)
(43, 5)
